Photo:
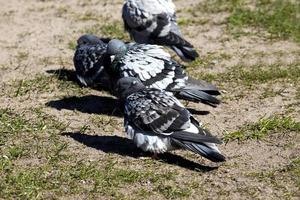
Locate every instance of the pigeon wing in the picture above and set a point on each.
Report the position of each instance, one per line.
(156, 111)
(150, 63)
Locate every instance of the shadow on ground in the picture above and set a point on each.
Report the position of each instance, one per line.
(70, 75)
(125, 147)
(90, 104)
(64, 74)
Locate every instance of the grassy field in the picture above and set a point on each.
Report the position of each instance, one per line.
(61, 141)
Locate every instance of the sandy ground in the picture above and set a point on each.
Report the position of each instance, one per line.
(35, 37)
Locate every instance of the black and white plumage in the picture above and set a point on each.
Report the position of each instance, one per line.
(156, 69)
(154, 22)
(157, 122)
(88, 61)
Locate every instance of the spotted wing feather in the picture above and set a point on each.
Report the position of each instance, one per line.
(153, 66)
(156, 111)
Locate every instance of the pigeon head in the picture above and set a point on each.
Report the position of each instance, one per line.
(88, 39)
(88, 62)
(116, 47)
(127, 86)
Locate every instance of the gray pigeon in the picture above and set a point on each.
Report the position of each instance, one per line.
(156, 69)
(154, 22)
(157, 122)
(87, 61)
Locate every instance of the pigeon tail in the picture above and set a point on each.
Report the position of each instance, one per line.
(187, 54)
(197, 96)
(203, 86)
(182, 47)
(207, 150)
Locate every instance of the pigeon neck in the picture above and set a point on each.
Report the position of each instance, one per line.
(135, 89)
(115, 59)
(121, 53)
(129, 91)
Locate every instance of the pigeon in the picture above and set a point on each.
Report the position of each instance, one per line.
(156, 69)
(154, 22)
(87, 61)
(157, 122)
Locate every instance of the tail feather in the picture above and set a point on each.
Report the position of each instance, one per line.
(197, 96)
(207, 152)
(203, 137)
(187, 54)
(182, 47)
(201, 149)
(203, 86)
